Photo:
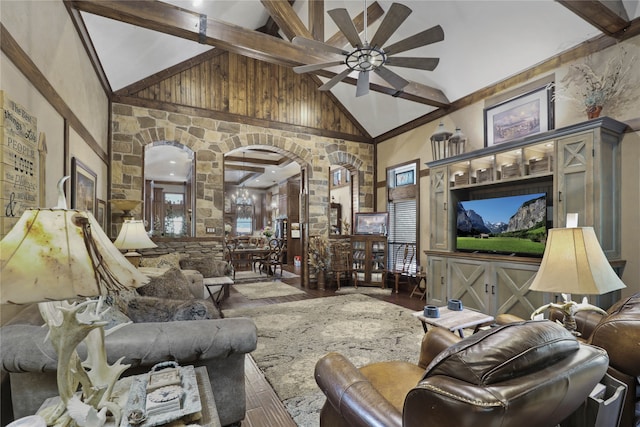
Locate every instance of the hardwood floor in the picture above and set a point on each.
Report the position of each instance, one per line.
(264, 409)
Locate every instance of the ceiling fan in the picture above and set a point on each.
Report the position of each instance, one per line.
(370, 56)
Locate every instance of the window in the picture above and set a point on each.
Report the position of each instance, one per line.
(402, 206)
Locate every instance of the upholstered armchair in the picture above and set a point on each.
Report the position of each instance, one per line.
(619, 334)
(527, 373)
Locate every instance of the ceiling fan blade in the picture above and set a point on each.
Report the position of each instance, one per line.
(335, 80)
(362, 87)
(315, 67)
(343, 21)
(392, 20)
(314, 44)
(432, 35)
(428, 64)
(397, 82)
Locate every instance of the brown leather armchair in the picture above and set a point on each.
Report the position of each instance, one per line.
(527, 373)
(619, 334)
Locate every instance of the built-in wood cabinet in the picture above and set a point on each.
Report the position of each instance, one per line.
(369, 255)
(577, 166)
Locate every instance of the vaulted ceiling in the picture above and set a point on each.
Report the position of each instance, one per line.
(486, 43)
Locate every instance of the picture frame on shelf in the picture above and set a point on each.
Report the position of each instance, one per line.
(518, 117)
(375, 223)
(405, 178)
(83, 187)
(101, 213)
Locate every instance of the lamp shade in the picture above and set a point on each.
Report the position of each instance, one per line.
(56, 254)
(573, 263)
(133, 236)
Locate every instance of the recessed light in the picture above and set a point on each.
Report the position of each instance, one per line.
(171, 174)
(173, 162)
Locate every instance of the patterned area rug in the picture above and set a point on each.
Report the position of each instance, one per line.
(364, 290)
(292, 337)
(270, 289)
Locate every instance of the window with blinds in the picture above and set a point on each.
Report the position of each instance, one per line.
(402, 228)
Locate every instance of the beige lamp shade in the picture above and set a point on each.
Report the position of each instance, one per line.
(133, 236)
(56, 254)
(573, 263)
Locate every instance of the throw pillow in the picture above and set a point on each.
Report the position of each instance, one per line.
(171, 260)
(208, 267)
(172, 285)
(150, 309)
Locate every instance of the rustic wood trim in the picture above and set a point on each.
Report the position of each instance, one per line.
(401, 193)
(29, 69)
(316, 19)
(83, 33)
(611, 17)
(424, 173)
(182, 23)
(169, 72)
(286, 18)
(237, 118)
(381, 184)
(588, 47)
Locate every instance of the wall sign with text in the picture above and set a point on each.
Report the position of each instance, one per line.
(19, 159)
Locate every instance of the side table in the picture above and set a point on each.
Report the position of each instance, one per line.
(209, 413)
(455, 320)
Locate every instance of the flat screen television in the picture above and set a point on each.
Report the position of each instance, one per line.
(512, 225)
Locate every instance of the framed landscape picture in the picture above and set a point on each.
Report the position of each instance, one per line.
(518, 117)
(83, 187)
(371, 223)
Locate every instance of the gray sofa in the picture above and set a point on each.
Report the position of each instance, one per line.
(218, 344)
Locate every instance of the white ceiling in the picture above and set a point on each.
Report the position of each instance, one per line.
(485, 42)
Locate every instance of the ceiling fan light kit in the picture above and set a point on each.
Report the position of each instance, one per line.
(372, 56)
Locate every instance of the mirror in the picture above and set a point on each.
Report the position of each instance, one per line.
(168, 190)
(341, 187)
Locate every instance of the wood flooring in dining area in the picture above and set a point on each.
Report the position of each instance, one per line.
(264, 409)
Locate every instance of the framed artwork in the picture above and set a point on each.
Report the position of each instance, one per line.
(518, 117)
(372, 223)
(101, 213)
(83, 187)
(404, 178)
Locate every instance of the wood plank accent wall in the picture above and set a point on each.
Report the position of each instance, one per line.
(235, 84)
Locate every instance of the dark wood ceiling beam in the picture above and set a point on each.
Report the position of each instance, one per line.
(316, 19)
(608, 16)
(183, 23)
(286, 18)
(271, 27)
(244, 168)
(252, 160)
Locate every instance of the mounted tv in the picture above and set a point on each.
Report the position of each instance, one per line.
(513, 225)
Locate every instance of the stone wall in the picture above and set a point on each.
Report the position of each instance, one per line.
(135, 127)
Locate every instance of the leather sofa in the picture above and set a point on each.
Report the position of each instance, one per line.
(218, 344)
(532, 373)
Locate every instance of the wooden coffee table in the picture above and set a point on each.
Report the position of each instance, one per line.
(455, 320)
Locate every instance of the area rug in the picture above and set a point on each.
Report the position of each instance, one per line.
(270, 289)
(292, 337)
(363, 290)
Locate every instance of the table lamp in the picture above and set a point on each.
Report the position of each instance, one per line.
(573, 263)
(132, 237)
(54, 254)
